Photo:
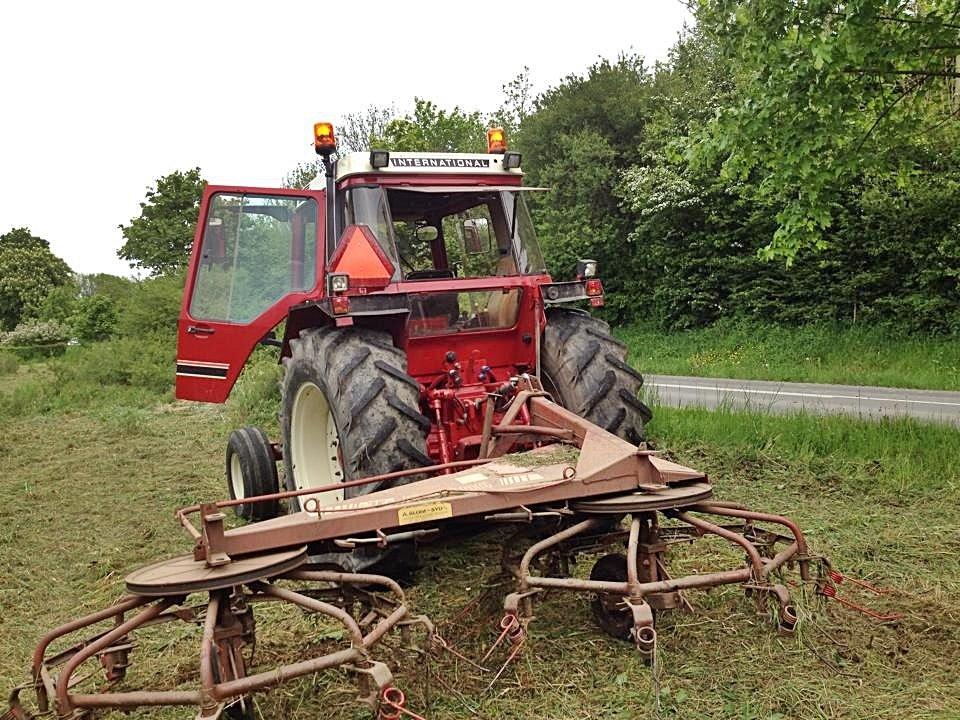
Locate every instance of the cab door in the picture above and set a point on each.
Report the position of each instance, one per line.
(255, 254)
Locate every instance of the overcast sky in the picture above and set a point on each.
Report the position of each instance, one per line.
(100, 99)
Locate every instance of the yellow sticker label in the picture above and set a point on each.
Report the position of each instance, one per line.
(425, 512)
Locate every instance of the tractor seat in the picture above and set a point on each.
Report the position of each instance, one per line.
(431, 275)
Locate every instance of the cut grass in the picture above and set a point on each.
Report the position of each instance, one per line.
(85, 498)
(849, 355)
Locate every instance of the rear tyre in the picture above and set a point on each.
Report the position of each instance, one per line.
(585, 369)
(251, 471)
(349, 410)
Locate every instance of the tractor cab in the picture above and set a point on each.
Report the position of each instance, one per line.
(457, 249)
(438, 249)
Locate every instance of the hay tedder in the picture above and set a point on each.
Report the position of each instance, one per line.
(436, 381)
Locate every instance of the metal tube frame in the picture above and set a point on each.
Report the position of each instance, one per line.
(754, 577)
(213, 692)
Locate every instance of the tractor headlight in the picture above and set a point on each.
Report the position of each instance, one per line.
(339, 282)
(379, 158)
(586, 269)
(511, 160)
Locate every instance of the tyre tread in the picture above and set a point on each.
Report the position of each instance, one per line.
(375, 402)
(259, 472)
(588, 368)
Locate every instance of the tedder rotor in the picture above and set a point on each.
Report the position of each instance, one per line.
(435, 378)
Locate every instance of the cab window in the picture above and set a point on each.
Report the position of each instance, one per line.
(447, 235)
(441, 313)
(367, 206)
(255, 249)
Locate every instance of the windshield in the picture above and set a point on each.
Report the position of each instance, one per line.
(442, 313)
(457, 234)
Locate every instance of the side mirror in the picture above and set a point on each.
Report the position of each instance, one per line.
(476, 236)
(586, 269)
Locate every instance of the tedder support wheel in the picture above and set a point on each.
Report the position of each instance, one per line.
(585, 369)
(349, 410)
(252, 470)
(609, 611)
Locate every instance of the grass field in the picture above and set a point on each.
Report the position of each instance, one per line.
(849, 355)
(91, 479)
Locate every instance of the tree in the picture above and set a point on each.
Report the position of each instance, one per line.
(21, 238)
(94, 318)
(427, 129)
(359, 131)
(825, 91)
(430, 129)
(577, 139)
(60, 303)
(152, 308)
(302, 175)
(113, 286)
(517, 104)
(355, 133)
(28, 272)
(160, 239)
(693, 253)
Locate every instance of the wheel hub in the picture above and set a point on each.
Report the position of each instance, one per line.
(316, 454)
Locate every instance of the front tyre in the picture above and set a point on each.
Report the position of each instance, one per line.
(585, 369)
(251, 471)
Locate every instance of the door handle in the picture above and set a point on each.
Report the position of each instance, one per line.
(199, 330)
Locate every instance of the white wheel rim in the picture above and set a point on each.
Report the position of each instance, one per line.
(315, 451)
(236, 477)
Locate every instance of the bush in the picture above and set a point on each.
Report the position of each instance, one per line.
(152, 307)
(255, 398)
(138, 363)
(37, 338)
(124, 372)
(94, 318)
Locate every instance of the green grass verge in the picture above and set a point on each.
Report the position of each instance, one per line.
(87, 495)
(8, 363)
(854, 355)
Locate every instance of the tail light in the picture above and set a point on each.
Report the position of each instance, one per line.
(340, 305)
(594, 290)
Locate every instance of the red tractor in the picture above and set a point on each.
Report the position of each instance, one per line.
(413, 294)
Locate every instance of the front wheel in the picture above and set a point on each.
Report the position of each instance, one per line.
(251, 471)
(585, 369)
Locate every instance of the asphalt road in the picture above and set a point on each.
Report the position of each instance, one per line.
(783, 397)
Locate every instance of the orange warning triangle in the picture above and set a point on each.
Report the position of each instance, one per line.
(360, 256)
